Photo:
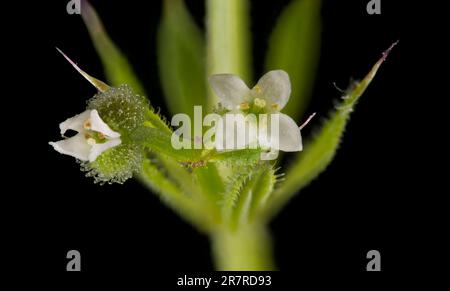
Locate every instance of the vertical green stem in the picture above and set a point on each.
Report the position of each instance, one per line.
(247, 248)
(228, 39)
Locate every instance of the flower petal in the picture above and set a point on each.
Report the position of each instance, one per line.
(75, 146)
(75, 123)
(289, 134)
(97, 124)
(99, 148)
(230, 89)
(235, 130)
(275, 88)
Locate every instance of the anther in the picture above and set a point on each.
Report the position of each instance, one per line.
(87, 124)
(261, 103)
(91, 141)
(244, 106)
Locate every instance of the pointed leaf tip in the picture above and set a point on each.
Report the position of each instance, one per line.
(102, 87)
(388, 51)
(321, 149)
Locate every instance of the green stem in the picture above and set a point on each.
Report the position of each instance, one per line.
(247, 248)
(228, 39)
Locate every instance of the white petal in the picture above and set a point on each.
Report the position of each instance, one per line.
(274, 87)
(230, 89)
(75, 123)
(99, 148)
(290, 137)
(75, 146)
(225, 133)
(265, 140)
(97, 124)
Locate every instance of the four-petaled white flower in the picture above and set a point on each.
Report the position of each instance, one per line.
(94, 136)
(269, 96)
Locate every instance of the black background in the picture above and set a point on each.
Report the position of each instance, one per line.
(373, 195)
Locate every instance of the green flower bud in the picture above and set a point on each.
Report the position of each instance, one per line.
(120, 108)
(116, 165)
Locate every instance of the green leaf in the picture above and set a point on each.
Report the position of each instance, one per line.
(255, 194)
(294, 47)
(262, 191)
(181, 62)
(228, 40)
(159, 142)
(236, 189)
(203, 187)
(319, 152)
(210, 180)
(117, 69)
(157, 121)
(172, 195)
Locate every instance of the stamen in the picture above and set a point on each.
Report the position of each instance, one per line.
(91, 141)
(307, 121)
(87, 124)
(257, 89)
(275, 106)
(244, 106)
(261, 103)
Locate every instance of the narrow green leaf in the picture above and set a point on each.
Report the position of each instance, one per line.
(160, 142)
(254, 194)
(212, 185)
(241, 211)
(234, 188)
(181, 52)
(319, 152)
(117, 69)
(294, 47)
(228, 40)
(157, 121)
(262, 190)
(174, 197)
(203, 186)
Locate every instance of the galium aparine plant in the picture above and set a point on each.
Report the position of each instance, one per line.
(229, 193)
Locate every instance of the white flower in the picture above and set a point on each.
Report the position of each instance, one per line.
(94, 136)
(269, 96)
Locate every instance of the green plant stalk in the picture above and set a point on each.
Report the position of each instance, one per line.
(228, 40)
(246, 248)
